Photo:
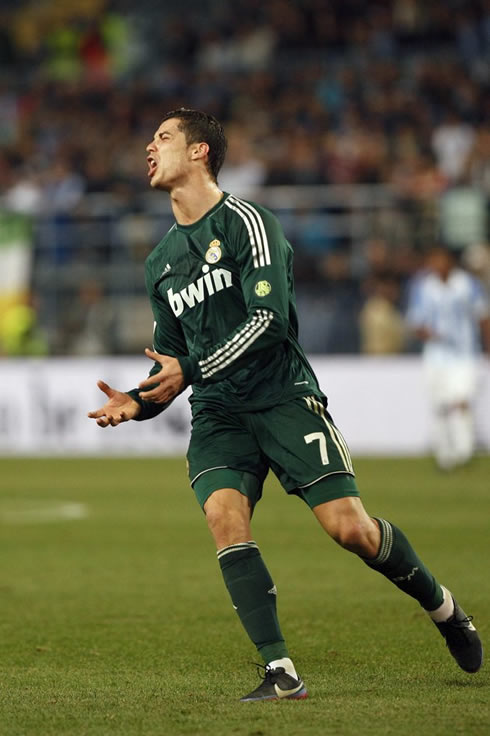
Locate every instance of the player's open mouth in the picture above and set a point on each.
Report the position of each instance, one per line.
(152, 166)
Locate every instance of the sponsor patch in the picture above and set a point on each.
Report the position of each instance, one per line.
(262, 288)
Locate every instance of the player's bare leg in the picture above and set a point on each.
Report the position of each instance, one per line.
(385, 548)
(348, 523)
(460, 426)
(453, 434)
(442, 445)
(228, 513)
(253, 593)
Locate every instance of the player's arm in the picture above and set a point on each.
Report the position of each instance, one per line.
(481, 311)
(485, 333)
(417, 311)
(168, 343)
(123, 406)
(262, 254)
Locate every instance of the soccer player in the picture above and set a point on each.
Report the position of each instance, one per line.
(449, 312)
(221, 288)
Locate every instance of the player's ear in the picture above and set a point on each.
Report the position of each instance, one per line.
(199, 150)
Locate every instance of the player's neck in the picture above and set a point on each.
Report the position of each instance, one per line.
(191, 201)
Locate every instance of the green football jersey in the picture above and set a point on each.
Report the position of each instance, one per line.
(222, 296)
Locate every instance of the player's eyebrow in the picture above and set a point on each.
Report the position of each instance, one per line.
(165, 131)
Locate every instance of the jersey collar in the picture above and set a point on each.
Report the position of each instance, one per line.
(193, 226)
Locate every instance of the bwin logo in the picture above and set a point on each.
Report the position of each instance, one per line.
(195, 293)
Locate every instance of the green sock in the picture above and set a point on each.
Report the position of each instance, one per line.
(398, 561)
(253, 595)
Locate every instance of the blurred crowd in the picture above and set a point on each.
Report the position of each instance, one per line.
(392, 93)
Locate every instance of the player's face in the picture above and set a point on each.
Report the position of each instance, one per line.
(168, 156)
(440, 263)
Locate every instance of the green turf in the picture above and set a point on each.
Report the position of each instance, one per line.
(119, 623)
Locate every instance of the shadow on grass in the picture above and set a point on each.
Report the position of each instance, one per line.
(467, 683)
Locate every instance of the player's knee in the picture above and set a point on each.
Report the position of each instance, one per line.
(355, 536)
(219, 519)
(347, 533)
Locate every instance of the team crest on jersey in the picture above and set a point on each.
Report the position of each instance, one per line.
(213, 253)
(262, 288)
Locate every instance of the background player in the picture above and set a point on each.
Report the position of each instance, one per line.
(221, 288)
(449, 312)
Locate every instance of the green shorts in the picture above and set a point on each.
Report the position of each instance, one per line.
(298, 441)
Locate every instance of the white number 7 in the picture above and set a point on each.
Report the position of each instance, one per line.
(323, 444)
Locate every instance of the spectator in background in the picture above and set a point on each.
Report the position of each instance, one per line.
(477, 164)
(243, 172)
(476, 259)
(8, 52)
(447, 310)
(381, 322)
(452, 142)
(342, 303)
(9, 113)
(93, 54)
(64, 187)
(25, 194)
(463, 217)
(90, 323)
(394, 94)
(63, 191)
(20, 334)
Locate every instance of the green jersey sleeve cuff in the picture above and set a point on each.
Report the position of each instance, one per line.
(190, 369)
(148, 408)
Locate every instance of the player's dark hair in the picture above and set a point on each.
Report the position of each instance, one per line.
(199, 126)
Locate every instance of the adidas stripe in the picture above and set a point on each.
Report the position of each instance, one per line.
(236, 548)
(255, 228)
(386, 543)
(237, 345)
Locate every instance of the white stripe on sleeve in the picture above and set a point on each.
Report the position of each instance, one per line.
(235, 347)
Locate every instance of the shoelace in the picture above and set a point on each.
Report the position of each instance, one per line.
(268, 671)
(462, 623)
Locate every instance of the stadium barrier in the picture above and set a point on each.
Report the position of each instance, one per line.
(380, 404)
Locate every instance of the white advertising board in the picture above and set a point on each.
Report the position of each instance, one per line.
(380, 404)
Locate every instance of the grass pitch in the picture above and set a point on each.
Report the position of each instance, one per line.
(114, 618)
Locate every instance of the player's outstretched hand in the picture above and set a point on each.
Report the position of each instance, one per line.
(120, 407)
(170, 379)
